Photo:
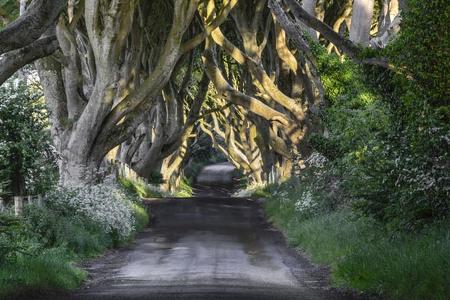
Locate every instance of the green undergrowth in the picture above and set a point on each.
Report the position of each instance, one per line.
(40, 252)
(141, 216)
(53, 269)
(363, 255)
(141, 189)
(183, 189)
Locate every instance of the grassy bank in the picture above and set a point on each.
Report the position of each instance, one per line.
(363, 256)
(143, 190)
(39, 252)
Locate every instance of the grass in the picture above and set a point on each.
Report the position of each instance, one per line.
(184, 189)
(52, 269)
(257, 190)
(141, 216)
(362, 255)
(141, 189)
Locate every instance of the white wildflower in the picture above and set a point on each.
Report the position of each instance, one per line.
(316, 160)
(106, 204)
(306, 202)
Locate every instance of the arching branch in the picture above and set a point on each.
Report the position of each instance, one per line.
(31, 25)
(16, 59)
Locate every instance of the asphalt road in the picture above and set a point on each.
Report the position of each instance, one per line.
(206, 248)
(217, 180)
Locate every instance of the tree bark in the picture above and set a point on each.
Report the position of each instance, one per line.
(310, 7)
(361, 21)
(40, 15)
(14, 60)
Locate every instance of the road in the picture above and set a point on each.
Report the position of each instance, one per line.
(216, 180)
(206, 248)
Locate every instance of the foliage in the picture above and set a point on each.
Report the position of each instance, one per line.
(317, 191)
(375, 206)
(422, 49)
(364, 256)
(388, 145)
(14, 239)
(402, 177)
(27, 159)
(70, 218)
(403, 183)
(58, 227)
(9, 10)
(141, 217)
(28, 263)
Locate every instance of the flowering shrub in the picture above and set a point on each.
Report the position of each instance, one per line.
(106, 204)
(306, 204)
(316, 160)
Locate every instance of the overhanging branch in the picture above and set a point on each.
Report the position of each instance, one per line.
(31, 25)
(16, 59)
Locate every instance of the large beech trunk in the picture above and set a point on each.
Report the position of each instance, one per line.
(361, 21)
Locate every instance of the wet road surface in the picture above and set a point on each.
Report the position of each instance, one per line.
(217, 180)
(211, 246)
(206, 248)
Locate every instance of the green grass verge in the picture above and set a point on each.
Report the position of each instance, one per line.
(139, 188)
(51, 270)
(363, 256)
(142, 217)
(184, 189)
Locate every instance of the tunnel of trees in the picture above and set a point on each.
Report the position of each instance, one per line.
(268, 83)
(138, 81)
(274, 86)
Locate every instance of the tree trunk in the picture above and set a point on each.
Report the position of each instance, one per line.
(361, 21)
(17, 180)
(75, 170)
(310, 7)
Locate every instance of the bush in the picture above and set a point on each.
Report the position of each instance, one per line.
(106, 204)
(87, 220)
(15, 239)
(422, 48)
(402, 183)
(388, 139)
(59, 228)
